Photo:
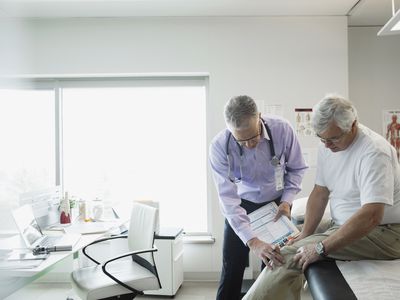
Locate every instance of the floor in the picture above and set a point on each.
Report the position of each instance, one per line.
(60, 291)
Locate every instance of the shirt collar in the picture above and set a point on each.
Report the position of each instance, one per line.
(264, 131)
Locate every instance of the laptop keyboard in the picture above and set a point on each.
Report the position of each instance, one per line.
(49, 241)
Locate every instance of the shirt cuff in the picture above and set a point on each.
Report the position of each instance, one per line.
(246, 235)
(288, 196)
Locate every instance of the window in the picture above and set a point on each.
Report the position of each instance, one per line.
(118, 140)
(141, 140)
(27, 130)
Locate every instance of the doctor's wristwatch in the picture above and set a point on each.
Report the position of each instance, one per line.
(320, 249)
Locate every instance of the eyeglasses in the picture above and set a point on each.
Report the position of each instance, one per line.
(331, 140)
(252, 140)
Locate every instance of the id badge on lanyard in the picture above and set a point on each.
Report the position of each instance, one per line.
(278, 171)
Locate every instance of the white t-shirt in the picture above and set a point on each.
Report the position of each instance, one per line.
(366, 172)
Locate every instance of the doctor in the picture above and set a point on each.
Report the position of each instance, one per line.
(256, 160)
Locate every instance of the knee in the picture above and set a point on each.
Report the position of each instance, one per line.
(289, 251)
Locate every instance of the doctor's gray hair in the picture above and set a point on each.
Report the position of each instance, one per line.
(333, 108)
(238, 112)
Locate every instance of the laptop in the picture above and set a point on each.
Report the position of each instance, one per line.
(32, 234)
(45, 203)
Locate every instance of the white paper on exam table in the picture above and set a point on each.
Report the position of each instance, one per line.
(263, 225)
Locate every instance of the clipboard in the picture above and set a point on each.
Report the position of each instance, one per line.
(263, 225)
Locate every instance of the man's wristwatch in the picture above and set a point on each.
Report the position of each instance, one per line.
(320, 249)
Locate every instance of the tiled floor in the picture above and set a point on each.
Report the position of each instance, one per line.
(60, 291)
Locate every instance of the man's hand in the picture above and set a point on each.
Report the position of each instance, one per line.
(297, 238)
(270, 254)
(305, 256)
(283, 209)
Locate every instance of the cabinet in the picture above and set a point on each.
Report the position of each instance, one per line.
(169, 261)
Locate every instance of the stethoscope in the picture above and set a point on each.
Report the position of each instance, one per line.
(275, 161)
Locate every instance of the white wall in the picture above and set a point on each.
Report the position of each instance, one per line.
(374, 80)
(293, 61)
(14, 49)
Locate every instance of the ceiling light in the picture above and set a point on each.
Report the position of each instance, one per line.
(393, 25)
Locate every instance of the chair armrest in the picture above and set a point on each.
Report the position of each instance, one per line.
(131, 253)
(99, 241)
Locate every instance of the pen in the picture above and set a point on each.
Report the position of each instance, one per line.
(271, 262)
(41, 250)
(59, 248)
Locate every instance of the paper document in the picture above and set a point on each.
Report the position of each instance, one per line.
(19, 264)
(26, 256)
(92, 227)
(263, 225)
(21, 260)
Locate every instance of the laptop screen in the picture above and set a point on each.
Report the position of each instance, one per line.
(45, 203)
(27, 225)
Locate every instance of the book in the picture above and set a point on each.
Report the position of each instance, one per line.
(263, 225)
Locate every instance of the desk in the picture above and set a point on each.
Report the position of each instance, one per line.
(13, 279)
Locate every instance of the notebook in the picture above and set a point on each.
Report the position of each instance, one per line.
(32, 234)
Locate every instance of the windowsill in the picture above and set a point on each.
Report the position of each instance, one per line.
(198, 239)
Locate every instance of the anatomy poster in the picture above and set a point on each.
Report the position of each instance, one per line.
(303, 122)
(391, 128)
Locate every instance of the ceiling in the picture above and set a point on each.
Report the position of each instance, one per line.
(360, 12)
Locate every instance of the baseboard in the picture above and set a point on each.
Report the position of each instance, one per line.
(201, 276)
(64, 277)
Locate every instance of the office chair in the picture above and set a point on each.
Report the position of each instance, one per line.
(124, 276)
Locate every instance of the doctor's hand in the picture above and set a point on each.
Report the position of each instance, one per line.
(270, 254)
(305, 256)
(283, 209)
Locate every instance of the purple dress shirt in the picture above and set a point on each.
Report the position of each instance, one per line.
(257, 179)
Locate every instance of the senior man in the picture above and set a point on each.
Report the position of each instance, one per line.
(358, 172)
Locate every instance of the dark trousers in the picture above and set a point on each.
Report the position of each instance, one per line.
(235, 255)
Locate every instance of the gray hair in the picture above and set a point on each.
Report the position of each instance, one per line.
(333, 108)
(238, 111)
